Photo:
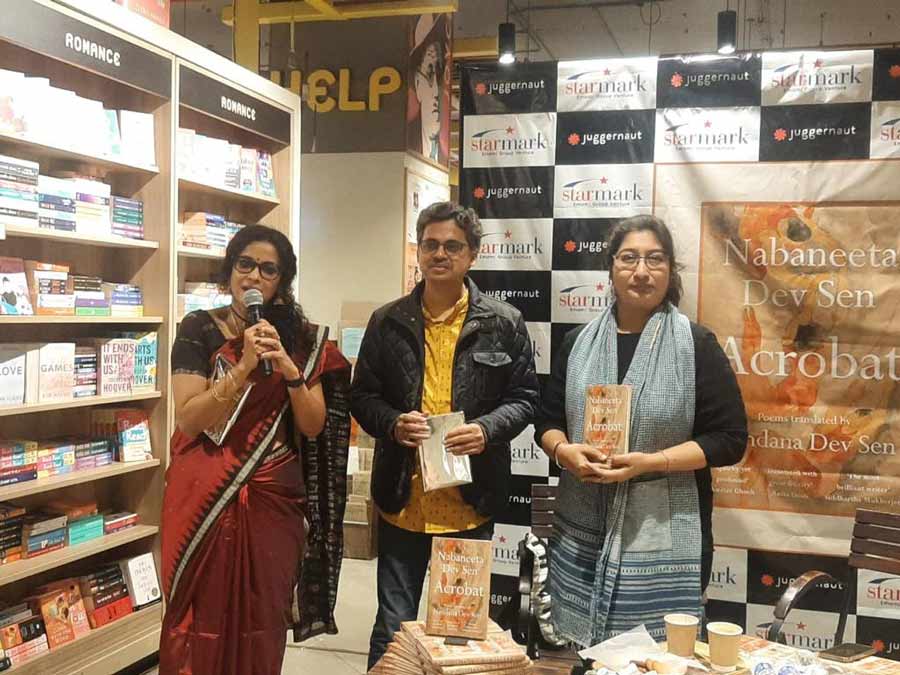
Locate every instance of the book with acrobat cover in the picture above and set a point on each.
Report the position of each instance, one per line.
(607, 417)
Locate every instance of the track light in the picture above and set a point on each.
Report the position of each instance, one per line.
(727, 31)
(506, 42)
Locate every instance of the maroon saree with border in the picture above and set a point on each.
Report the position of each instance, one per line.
(236, 566)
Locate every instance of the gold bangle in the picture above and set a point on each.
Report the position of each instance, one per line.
(555, 452)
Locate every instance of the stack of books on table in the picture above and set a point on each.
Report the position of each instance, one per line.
(124, 299)
(18, 192)
(128, 217)
(90, 300)
(85, 371)
(56, 199)
(413, 651)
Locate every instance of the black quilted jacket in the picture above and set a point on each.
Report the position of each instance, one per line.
(494, 383)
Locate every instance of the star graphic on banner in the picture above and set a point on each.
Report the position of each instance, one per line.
(878, 645)
(607, 72)
(677, 80)
(819, 63)
(894, 71)
(478, 192)
(569, 246)
(510, 131)
(801, 626)
(603, 180)
(480, 89)
(780, 134)
(508, 234)
(574, 139)
(767, 580)
(502, 539)
(707, 124)
(600, 286)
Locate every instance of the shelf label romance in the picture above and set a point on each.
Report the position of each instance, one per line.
(210, 96)
(51, 32)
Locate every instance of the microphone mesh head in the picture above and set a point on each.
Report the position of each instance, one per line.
(252, 297)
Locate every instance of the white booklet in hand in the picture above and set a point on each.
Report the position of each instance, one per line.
(218, 432)
(442, 469)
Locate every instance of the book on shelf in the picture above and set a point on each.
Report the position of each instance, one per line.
(15, 298)
(57, 372)
(124, 299)
(265, 174)
(127, 217)
(184, 156)
(18, 192)
(249, 177)
(73, 508)
(76, 616)
(133, 427)
(86, 371)
(27, 639)
(115, 365)
(53, 607)
(48, 284)
(145, 365)
(105, 595)
(141, 579)
(119, 521)
(85, 529)
(57, 203)
(12, 374)
(55, 457)
(233, 167)
(92, 198)
(90, 300)
(138, 139)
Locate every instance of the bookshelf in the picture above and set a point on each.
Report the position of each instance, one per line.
(181, 85)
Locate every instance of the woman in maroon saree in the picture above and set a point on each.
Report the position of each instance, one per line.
(235, 513)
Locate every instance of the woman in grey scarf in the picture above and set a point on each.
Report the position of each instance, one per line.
(632, 536)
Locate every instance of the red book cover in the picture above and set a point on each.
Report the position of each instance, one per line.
(109, 613)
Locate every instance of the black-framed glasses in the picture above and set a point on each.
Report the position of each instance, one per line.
(629, 260)
(452, 247)
(267, 270)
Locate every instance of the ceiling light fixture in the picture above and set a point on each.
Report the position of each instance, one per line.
(727, 31)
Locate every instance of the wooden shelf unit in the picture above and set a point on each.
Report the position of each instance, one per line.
(148, 79)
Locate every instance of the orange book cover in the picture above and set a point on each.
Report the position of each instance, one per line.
(54, 608)
(459, 588)
(607, 417)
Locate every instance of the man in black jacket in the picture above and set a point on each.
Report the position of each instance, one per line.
(446, 347)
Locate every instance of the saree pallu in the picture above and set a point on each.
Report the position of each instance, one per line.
(233, 534)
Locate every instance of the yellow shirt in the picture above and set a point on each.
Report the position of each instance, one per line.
(438, 511)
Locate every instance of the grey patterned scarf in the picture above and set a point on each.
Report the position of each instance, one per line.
(627, 554)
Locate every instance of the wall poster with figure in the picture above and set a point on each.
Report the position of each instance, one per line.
(428, 87)
(420, 193)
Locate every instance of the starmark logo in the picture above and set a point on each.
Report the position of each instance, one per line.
(700, 80)
(801, 76)
(506, 192)
(494, 141)
(726, 577)
(687, 135)
(501, 88)
(885, 590)
(798, 635)
(597, 192)
(590, 83)
(584, 297)
(811, 133)
(575, 139)
(890, 130)
(508, 247)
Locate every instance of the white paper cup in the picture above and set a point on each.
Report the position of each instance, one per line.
(681, 634)
(724, 645)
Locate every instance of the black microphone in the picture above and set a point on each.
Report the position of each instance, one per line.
(253, 301)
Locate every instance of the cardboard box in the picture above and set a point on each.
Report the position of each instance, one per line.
(361, 540)
(362, 484)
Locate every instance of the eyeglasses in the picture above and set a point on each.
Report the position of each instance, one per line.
(452, 247)
(267, 270)
(628, 260)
